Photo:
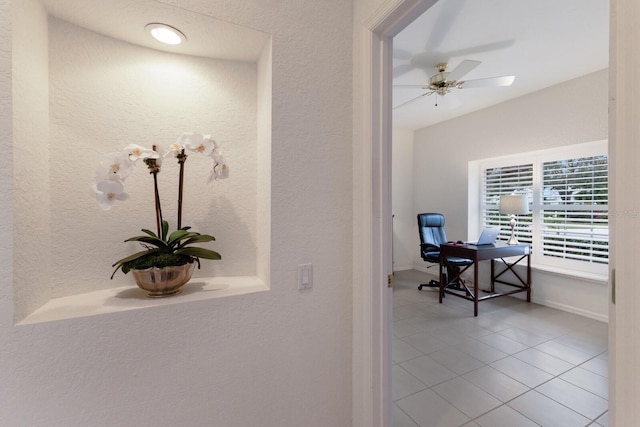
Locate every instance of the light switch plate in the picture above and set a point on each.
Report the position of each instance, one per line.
(305, 276)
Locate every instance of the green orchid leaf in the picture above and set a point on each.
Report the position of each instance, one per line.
(176, 236)
(149, 232)
(165, 229)
(201, 238)
(136, 256)
(173, 244)
(199, 252)
(116, 270)
(118, 264)
(180, 243)
(189, 235)
(149, 240)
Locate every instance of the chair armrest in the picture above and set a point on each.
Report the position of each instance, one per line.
(458, 261)
(428, 247)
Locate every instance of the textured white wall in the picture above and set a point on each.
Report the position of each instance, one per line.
(263, 220)
(405, 237)
(106, 94)
(31, 157)
(568, 113)
(7, 226)
(278, 358)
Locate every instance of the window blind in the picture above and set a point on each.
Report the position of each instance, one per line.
(568, 193)
(574, 209)
(505, 180)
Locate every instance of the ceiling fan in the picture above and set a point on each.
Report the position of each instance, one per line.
(444, 82)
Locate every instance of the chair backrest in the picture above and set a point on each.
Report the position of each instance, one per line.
(432, 234)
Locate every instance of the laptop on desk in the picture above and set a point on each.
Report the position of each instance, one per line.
(487, 237)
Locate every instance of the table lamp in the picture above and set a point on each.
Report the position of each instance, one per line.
(514, 204)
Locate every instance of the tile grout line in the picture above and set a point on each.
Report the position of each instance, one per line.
(416, 319)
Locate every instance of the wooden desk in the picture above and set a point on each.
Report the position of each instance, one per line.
(496, 253)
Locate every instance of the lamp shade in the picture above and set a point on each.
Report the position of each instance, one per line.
(514, 204)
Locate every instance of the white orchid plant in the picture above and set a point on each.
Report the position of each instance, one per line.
(161, 248)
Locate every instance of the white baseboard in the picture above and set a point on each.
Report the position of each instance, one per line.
(432, 271)
(572, 309)
(402, 267)
(547, 303)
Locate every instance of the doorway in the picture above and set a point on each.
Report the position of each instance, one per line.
(383, 28)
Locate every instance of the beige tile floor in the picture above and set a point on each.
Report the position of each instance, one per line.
(515, 365)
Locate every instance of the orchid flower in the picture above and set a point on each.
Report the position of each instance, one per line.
(174, 149)
(198, 143)
(176, 246)
(139, 152)
(220, 168)
(117, 166)
(114, 167)
(107, 192)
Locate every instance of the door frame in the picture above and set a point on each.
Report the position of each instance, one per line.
(372, 249)
(372, 209)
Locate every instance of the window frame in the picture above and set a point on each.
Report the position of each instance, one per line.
(476, 168)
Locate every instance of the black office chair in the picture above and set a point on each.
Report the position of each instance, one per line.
(432, 235)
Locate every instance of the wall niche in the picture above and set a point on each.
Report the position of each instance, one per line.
(88, 80)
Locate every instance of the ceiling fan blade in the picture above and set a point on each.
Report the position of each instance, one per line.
(447, 15)
(472, 50)
(402, 69)
(491, 81)
(412, 100)
(401, 54)
(424, 87)
(427, 60)
(462, 69)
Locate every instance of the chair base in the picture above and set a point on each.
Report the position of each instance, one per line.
(431, 284)
(435, 284)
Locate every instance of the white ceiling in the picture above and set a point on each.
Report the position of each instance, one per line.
(540, 42)
(125, 20)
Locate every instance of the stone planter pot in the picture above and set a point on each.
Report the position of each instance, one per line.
(165, 281)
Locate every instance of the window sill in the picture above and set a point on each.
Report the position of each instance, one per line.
(133, 298)
(601, 279)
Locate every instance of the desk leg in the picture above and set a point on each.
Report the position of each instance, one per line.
(475, 288)
(493, 274)
(529, 278)
(441, 284)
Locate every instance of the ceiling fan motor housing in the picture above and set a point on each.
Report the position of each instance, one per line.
(438, 82)
(439, 79)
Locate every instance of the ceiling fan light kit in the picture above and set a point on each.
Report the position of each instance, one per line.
(439, 84)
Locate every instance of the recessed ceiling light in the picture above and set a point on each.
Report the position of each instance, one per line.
(165, 33)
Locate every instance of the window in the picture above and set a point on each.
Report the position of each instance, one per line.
(567, 189)
(507, 180)
(573, 209)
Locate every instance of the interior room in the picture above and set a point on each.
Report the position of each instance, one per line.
(437, 139)
(299, 97)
